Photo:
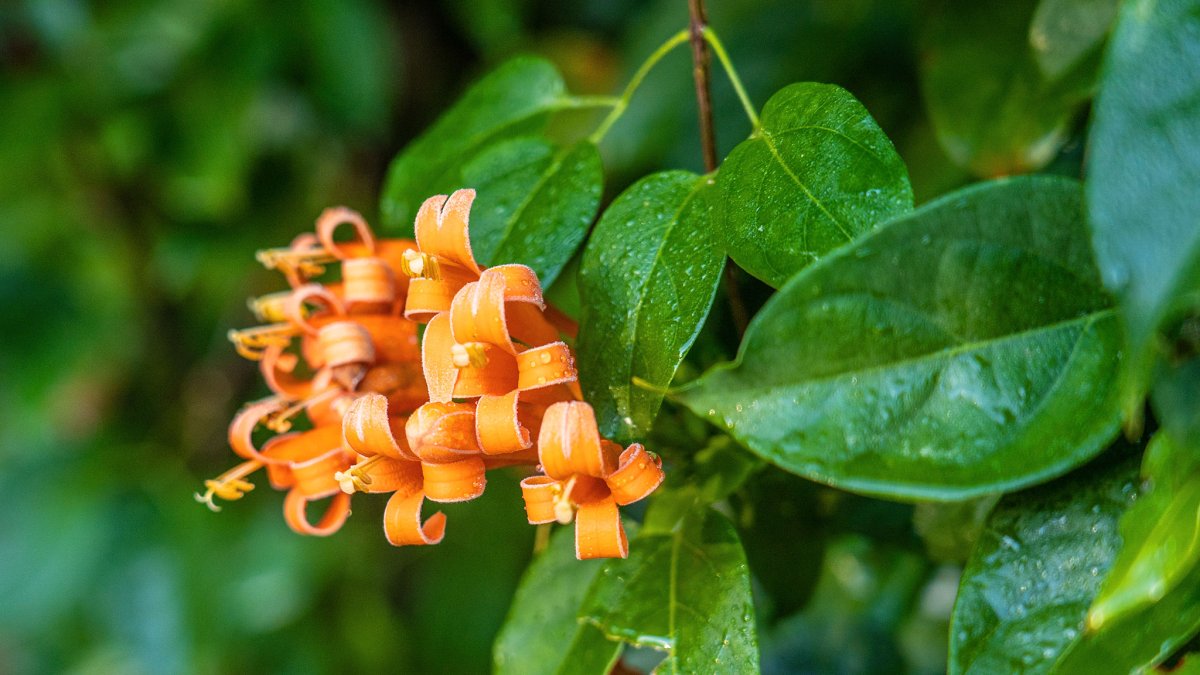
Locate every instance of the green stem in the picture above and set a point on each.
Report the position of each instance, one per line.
(623, 101)
(719, 49)
(585, 102)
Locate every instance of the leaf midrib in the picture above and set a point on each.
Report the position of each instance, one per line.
(770, 143)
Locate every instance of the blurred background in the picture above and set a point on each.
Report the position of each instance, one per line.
(147, 149)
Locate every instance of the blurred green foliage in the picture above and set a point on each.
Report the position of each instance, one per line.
(149, 148)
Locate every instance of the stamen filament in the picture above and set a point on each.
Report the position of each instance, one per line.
(306, 263)
(356, 478)
(469, 354)
(229, 486)
(564, 509)
(280, 420)
(252, 342)
(420, 265)
(270, 307)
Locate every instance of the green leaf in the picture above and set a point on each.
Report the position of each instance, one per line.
(818, 173)
(516, 98)
(964, 349)
(543, 634)
(1040, 559)
(534, 202)
(1063, 32)
(647, 280)
(1161, 533)
(993, 110)
(1143, 168)
(684, 589)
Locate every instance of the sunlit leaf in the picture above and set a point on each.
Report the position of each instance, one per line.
(965, 349)
(817, 174)
(1040, 560)
(534, 202)
(648, 277)
(1143, 169)
(1161, 533)
(515, 98)
(684, 589)
(542, 633)
(992, 108)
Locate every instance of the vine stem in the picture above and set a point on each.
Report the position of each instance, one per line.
(700, 37)
(622, 102)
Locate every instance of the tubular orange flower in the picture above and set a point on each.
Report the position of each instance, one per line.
(497, 386)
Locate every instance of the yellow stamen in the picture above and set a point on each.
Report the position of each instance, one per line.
(356, 478)
(270, 307)
(564, 509)
(306, 263)
(230, 486)
(420, 265)
(280, 421)
(469, 354)
(251, 342)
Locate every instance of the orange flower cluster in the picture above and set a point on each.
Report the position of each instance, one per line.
(491, 384)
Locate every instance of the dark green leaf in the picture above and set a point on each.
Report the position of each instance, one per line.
(1065, 31)
(1026, 588)
(647, 281)
(542, 633)
(993, 110)
(965, 349)
(685, 589)
(517, 97)
(1143, 169)
(818, 173)
(1161, 533)
(534, 203)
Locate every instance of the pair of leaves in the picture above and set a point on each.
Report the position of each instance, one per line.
(816, 173)
(1044, 557)
(964, 349)
(1142, 175)
(535, 200)
(685, 589)
(999, 105)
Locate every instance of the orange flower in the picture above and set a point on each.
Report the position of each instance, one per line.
(494, 376)
(585, 478)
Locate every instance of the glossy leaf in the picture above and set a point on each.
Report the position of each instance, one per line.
(993, 110)
(1063, 32)
(1143, 169)
(1040, 560)
(818, 173)
(517, 97)
(647, 281)
(534, 202)
(684, 589)
(1161, 533)
(543, 634)
(964, 349)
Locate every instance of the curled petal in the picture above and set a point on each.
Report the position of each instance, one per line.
(429, 297)
(402, 521)
(498, 374)
(241, 430)
(315, 477)
(477, 313)
(561, 322)
(569, 443)
(540, 493)
(638, 474)
(437, 359)
(529, 326)
(278, 367)
(369, 430)
(546, 366)
(459, 481)
(391, 475)
(295, 512)
(327, 409)
(395, 338)
(442, 226)
(368, 284)
(327, 304)
(442, 432)
(400, 382)
(498, 426)
(344, 343)
(599, 532)
(331, 219)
